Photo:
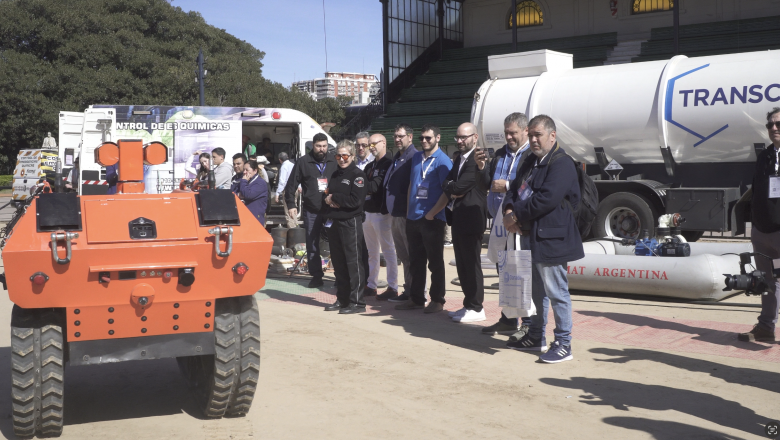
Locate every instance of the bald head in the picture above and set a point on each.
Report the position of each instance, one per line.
(466, 137)
(378, 145)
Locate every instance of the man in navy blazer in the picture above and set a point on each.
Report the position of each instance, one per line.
(544, 195)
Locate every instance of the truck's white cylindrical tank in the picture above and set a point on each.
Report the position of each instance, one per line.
(707, 109)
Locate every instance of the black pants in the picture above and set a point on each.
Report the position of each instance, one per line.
(364, 260)
(467, 250)
(313, 224)
(426, 244)
(346, 247)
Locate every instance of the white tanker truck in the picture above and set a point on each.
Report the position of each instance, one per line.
(676, 136)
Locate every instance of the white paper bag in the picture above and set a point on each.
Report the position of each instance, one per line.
(498, 235)
(514, 285)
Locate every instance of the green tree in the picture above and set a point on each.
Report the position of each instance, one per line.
(64, 55)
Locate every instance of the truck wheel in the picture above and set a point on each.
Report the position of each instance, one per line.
(224, 383)
(624, 215)
(241, 398)
(37, 378)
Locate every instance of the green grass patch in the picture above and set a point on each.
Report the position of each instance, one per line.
(6, 180)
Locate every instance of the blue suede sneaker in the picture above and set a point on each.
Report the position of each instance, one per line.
(526, 343)
(557, 353)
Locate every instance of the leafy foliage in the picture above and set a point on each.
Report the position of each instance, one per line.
(58, 55)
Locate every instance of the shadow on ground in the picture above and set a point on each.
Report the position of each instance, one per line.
(764, 380)
(436, 326)
(712, 336)
(666, 430)
(623, 395)
(97, 393)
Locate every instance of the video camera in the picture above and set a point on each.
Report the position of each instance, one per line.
(754, 283)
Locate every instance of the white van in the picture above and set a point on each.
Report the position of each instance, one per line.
(188, 132)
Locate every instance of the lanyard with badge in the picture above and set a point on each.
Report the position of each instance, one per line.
(322, 181)
(525, 191)
(422, 189)
(774, 180)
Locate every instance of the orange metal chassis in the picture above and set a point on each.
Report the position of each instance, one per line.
(111, 310)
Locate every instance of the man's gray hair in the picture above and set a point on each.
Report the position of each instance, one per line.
(543, 120)
(283, 156)
(771, 113)
(348, 145)
(362, 135)
(517, 118)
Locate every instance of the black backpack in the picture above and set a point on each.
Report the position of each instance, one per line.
(585, 213)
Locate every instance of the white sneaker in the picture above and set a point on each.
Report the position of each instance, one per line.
(457, 312)
(470, 316)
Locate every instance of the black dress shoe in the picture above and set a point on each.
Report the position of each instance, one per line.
(369, 292)
(333, 307)
(316, 282)
(352, 308)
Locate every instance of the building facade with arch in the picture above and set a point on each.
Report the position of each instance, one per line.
(487, 22)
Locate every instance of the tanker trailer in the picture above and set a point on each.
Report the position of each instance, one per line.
(108, 278)
(674, 136)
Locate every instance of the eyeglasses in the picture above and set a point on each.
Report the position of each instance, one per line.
(361, 145)
(769, 125)
(463, 138)
(343, 157)
(374, 144)
(399, 136)
(426, 139)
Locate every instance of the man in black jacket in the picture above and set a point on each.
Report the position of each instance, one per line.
(312, 172)
(765, 235)
(469, 217)
(345, 199)
(377, 226)
(541, 209)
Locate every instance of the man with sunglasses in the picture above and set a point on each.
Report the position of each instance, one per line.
(377, 225)
(425, 223)
(765, 235)
(396, 187)
(363, 156)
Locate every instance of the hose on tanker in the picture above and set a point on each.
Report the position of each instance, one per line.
(456, 281)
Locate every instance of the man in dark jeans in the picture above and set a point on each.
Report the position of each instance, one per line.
(765, 235)
(544, 197)
(312, 172)
(424, 228)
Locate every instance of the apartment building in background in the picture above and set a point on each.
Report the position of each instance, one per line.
(360, 86)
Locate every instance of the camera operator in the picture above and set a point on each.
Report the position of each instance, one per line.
(765, 235)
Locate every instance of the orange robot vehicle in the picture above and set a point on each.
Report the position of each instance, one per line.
(130, 276)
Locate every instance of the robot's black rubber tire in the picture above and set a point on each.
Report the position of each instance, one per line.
(213, 378)
(241, 398)
(37, 380)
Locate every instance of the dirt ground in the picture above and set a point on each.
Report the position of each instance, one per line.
(641, 370)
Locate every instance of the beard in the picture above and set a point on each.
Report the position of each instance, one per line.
(319, 155)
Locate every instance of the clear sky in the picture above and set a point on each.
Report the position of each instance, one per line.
(290, 32)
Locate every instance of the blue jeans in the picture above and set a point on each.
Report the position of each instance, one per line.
(313, 224)
(550, 287)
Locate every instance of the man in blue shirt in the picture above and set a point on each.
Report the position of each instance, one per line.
(424, 226)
